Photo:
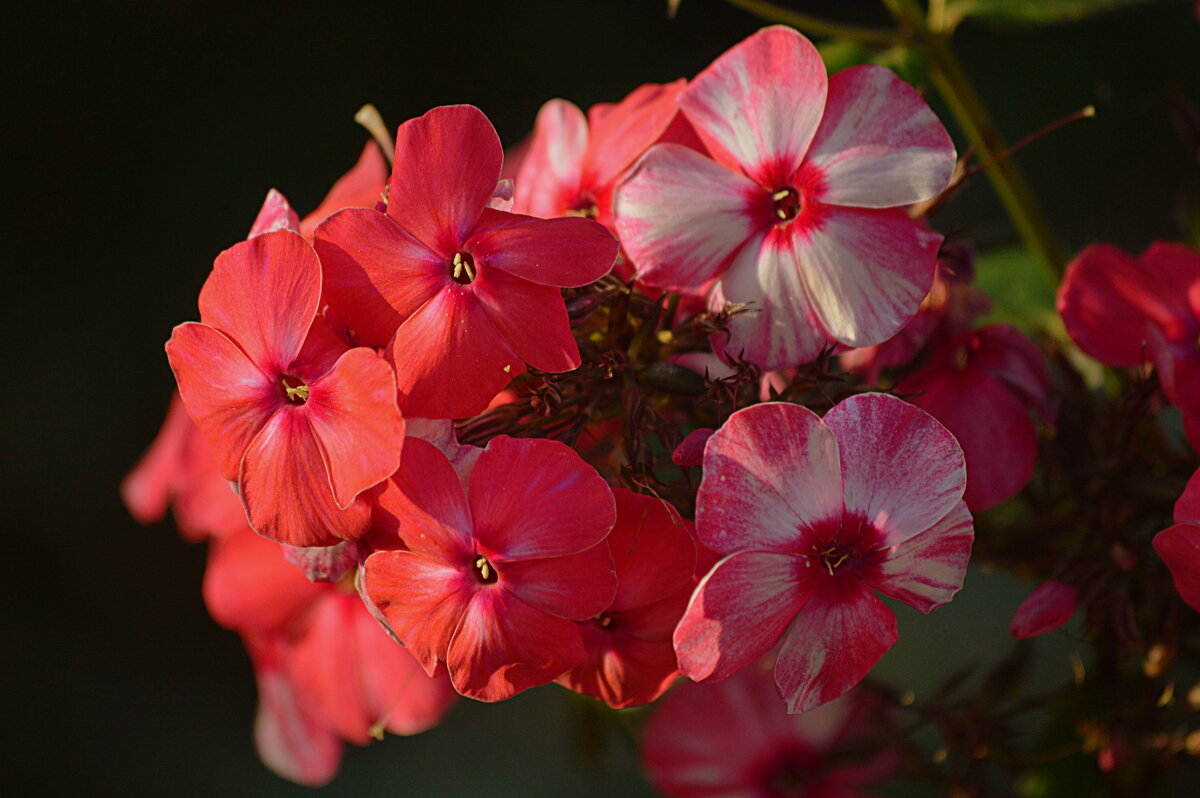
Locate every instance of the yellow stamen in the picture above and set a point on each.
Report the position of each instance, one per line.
(484, 568)
(781, 213)
(781, 194)
(461, 265)
(299, 393)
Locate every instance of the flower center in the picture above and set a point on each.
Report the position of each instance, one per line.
(462, 269)
(832, 558)
(484, 570)
(294, 389)
(605, 621)
(787, 203)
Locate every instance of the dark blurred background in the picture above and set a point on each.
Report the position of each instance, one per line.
(140, 139)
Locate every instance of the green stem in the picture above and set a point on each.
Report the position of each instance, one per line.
(878, 37)
(952, 84)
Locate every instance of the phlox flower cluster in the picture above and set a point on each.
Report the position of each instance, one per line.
(679, 400)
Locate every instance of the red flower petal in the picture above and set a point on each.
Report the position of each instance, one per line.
(758, 105)
(504, 646)
(623, 671)
(740, 610)
(263, 293)
(447, 164)
(423, 600)
(361, 187)
(275, 214)
(769, 472)
(627, 129)
(842, 632)
(426, 506)
(1045, 609)
(902, 470)
(1179, 547)
(353, 414)
(531, 318)
(652, 550)
(879, 144)
(450, 359)
(375, 274)
(1187, 506)
(285, 486)
(565, 252)
(249, 586)
(576, 587)
(228, 397)
(291, 740)
(690, 451)
(325, 663)
(548, 181)
(535, 498)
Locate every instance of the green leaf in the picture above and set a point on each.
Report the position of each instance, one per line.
(1021, 291)
(1036, 12)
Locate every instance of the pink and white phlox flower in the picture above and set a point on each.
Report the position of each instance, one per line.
(813, 515)
(800, 210)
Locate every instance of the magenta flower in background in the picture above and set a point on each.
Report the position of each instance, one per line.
(800, 209)
(1045, 609)
(732, 738)
(1179, 545)
(813, 515)
(1127, 311)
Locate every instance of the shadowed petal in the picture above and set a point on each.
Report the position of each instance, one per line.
(902, 471)
(926, 570)
(627, 129)
(739, 610)
(361, 187)
(652, 550)
(424, 503)
(353, 414)
(548, 181)
(286, 490)
(770, 471)
(228, 397)
(758, 105)
(1045, 609)
(504, 646)
(263, 293)
(249, 586)
(842, 632)
(681, 216)
(446, 168)
(534, 498)
(1179, 547)
(879, 144)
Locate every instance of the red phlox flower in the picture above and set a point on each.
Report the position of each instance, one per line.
(303, 423)
(462, 295)
(733, 739)
(800, 210)
(573, 163)
(631, 657)
(1179, 545)
(326, 670)
(1045, 609)
(813, 514)
(1125, 312)
(690, 451)
(179, 471)
(982, 385)
(497, 564)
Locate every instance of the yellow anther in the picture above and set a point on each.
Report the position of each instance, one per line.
(296, 394)
(484, 568)
(781, 194)
(781, 213)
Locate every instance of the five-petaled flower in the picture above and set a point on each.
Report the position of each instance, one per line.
(813, 514)
(299, 420)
